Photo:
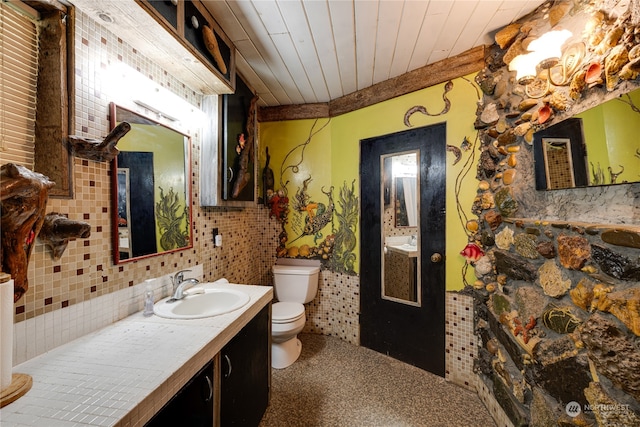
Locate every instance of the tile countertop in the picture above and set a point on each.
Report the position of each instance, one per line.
(124, 373)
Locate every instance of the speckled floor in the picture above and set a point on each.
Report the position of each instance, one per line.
(335, 383)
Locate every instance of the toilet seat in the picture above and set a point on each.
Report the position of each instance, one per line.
(286, 312)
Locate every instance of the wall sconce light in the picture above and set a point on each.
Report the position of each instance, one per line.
(544, 54)
(525, 67)
(549, 46)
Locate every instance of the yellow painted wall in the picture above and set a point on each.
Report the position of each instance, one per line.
(612, 132)
(335, 156)
(622, 126)
(593, 129)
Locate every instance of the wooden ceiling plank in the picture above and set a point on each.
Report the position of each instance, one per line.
(254, 81)
(429, 75)
(468, 62)
(485, 14)
(470, 34)
(458, 18)
(295, 67)
(317, 13)
(249, 17)
(260, 67)
(342, 22)
(294, 15)
(388, 27)
(413, 14)
(366, 16)
(227, 19)
(431, 27)
(268, 13)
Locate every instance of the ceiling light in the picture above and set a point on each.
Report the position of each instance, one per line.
(105, 17)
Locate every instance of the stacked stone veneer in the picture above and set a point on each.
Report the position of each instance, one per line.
(563, 322)
(558, 291)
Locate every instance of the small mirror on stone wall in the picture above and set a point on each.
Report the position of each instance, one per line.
(599, 146)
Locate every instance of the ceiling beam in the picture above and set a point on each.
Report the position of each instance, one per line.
(465, 63)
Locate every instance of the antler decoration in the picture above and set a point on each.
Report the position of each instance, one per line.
(57, 230)
(94, 149)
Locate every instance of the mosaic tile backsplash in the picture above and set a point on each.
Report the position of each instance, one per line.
(85, 291)
(86, 270)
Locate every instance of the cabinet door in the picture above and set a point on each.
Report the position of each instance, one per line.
(246, 373)
(192, 406)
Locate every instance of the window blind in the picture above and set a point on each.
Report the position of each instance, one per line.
(18, 82)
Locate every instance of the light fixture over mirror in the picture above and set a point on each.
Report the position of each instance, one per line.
(151, 189)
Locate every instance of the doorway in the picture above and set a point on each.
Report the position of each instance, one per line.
(402, 273)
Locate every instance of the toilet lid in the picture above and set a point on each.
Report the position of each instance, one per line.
(282, 312)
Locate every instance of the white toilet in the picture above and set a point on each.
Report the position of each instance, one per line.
(295, 283)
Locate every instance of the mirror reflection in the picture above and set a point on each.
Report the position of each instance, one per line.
(406, 201)
(599, 146)
(401, 249)
(152, 191)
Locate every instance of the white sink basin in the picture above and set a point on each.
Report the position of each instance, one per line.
(405, 249)
(212, 302)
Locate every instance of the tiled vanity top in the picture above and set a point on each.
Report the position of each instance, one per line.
(122, 374)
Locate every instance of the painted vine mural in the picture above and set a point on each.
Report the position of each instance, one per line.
(332, 227)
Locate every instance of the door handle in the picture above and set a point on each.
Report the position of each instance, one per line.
(436, 257)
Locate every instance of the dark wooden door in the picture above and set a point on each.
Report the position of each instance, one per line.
(414, 334)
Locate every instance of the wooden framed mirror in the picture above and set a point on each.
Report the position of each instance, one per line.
(151, 195)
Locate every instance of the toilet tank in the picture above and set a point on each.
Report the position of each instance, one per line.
(297, 282)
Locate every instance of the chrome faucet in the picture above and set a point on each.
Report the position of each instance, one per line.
(179, 293)
(180, 285)
(414, 240)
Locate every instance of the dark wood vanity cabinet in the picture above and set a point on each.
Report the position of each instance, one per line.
(232, 389)
(245, 375)
(193, 405)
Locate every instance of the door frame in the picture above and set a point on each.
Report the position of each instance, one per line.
(415, 335)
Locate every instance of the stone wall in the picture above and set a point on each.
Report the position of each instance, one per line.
(558, 289)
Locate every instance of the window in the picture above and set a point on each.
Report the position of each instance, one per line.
(18, 68)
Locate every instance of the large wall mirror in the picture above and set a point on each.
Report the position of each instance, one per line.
(599, 146)
(152, 189)
(401, 252)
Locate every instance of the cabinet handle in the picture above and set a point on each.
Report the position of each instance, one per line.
(228, 374)
(230, 174)
(210, 388)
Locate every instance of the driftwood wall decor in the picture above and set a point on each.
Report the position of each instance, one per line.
(23, 199)
(57, 230)
(94, 149)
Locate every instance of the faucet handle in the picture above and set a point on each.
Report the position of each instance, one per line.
(179, 277)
